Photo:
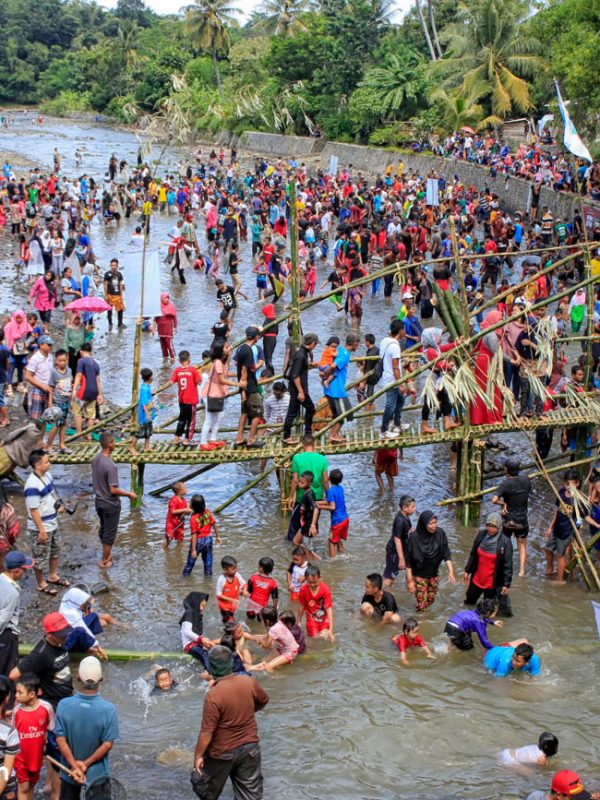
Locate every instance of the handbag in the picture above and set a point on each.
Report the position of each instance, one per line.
(213, 404)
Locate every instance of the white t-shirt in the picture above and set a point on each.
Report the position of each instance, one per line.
(389, 349)
(41, 366)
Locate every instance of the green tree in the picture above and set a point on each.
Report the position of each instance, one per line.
(399, 84)
(458, 109)
(206, 22)
(283, 16)
(488, 45)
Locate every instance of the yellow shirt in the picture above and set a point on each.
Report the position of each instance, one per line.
(147, 208)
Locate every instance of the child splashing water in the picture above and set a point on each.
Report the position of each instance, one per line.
(278, 636)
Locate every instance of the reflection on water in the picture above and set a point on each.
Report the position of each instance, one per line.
(346, 720)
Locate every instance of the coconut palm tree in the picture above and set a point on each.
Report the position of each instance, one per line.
(128, 36)
(206, 22)
(459, 109)
(283, 16)
(488, 46)
(398, 82)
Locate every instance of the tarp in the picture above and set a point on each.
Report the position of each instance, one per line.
(131, 267)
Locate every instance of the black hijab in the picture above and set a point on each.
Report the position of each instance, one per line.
(192, 613)
(428, 545)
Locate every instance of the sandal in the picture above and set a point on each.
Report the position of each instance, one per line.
(59, 582)
(47, 590)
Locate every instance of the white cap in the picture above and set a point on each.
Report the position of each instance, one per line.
(90, 671)
(407, 296)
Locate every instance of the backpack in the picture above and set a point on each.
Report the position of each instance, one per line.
(377, 373)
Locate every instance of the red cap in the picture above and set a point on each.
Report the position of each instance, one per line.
(57, 624)
(568, 782)
(269, 311)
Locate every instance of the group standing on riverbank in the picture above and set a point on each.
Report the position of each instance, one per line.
(348, 229)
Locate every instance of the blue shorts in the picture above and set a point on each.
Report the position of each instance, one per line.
(2, 397)
(261, 282)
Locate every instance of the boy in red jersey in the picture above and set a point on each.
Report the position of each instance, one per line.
(261, 588)
(187, 379)
(316, 602)
(32, 718)
(230, 587)
(176, 512)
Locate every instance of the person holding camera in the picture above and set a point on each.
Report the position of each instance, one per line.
(43, 507)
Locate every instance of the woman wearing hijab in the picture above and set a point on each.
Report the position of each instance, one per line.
(16, 333)
(490, 566)
(425, 550)
(76, 607)
(43, 295)
(166, 326)
(191, 626)
(433, 347)
(35, 265)
(577, 310)
(74, 338)
(483, 354)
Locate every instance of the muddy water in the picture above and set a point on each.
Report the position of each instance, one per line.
(346, 720)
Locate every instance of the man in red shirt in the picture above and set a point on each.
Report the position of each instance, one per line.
(187, 379)
(316, 602)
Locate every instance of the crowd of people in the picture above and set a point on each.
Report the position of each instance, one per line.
(350, 229)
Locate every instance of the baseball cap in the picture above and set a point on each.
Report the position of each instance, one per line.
(568, 782)
(57, 624)
(520, 301)
(494, 519)
(18, 560)
(252, 331)
(407, 296)
(90, 671)
(45, 339)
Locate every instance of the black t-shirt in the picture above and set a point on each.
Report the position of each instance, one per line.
(387, 603)
(227, 297)
(233, 263)
(245, 358)
(307, 510)
(220, 330)
(401, 529)
(114, 281)
(299, 367)
(335, 279)
(51, 665)
(515, 492)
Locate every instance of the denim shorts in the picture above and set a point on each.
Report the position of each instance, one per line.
(2, 397)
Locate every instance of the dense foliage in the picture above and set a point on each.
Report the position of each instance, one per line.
(341, 65)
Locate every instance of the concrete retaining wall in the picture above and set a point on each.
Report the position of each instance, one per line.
(273, 144)
(513, 192)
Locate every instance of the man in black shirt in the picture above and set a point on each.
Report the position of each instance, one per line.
(394, 549)
(113, 292)
(513, 495)
(298, 388)
(252, 402)
(226, 297)
(378, 603)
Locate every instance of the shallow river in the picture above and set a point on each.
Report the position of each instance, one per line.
(346, 720)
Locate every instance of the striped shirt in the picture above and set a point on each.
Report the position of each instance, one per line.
(40, 495)
(9, 746)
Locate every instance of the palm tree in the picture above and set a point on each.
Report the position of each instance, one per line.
(459, 109)
(488, 47)
(397, 82)
(128, 35)
(425, 30)
(283, 18)
(206, 22)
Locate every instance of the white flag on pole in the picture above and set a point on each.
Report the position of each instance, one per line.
(596, 607)
(572, 139)
(132, 274)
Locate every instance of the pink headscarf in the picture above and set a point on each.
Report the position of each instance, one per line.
(490, 319)
(166, 306)
(14, 329)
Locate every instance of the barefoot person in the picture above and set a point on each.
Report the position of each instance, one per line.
(513, 497)
(105, 480)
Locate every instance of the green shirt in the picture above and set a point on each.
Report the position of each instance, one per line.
(310, 462)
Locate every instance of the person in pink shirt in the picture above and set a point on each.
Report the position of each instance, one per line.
(279, 637)
(43, 295)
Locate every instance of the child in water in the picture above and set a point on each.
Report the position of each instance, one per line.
(539, 753)
(192, 627)
(463, 624)
(278, 637)
(163, 680)
(176, 513)
(410, 638)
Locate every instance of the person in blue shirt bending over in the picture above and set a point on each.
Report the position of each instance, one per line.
(517, 656)
(463, 624)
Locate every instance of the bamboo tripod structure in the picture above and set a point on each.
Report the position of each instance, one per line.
(469, 440)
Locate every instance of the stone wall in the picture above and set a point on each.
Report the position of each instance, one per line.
(272, 144)
(513, 192)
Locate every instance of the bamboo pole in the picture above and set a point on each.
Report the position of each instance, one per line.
(188, 477)
(295, 278)
(116, 654)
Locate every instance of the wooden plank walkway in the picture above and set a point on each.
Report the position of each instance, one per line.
(358, 440)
